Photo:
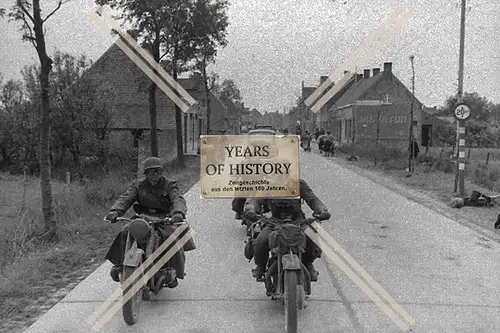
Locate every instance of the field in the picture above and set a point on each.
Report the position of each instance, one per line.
(31, 271)
(433, 179)
(473, 154)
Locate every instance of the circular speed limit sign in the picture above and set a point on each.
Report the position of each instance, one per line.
(462, 111)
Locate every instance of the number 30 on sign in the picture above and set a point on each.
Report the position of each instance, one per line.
(462, 111)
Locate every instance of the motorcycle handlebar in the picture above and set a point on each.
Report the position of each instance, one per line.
(276, 221)
(167, 220)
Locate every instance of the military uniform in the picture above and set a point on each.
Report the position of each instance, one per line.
(159, 200)
(285, 209)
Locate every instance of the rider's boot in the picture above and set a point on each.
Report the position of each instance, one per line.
(170, 277)
(312, 272)
(258, 272)
(115, 272)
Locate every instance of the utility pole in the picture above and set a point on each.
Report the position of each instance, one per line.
(410, 136)
(461, 122)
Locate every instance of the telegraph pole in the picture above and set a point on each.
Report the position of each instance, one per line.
(410, 135)
(461, 117)
(410, 138)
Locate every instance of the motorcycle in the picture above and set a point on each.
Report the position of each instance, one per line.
(142, 240)
(286, 279)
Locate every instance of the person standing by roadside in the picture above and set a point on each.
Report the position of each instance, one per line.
(413, 149)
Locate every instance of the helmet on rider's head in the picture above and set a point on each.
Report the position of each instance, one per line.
(152, 163)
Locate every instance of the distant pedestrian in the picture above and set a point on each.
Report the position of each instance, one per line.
(413, 149)
(329, 145)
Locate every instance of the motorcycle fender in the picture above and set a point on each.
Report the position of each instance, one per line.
(133, 256)
(291, 262)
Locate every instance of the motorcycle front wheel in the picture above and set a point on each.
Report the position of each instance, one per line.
(131, 308)
(291, 301)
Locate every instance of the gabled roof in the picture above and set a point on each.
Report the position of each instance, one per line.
(358, 89)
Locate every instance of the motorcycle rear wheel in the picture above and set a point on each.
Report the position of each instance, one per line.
(291, 301)
(131, 308)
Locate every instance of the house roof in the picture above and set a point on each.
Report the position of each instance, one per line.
(358, 89)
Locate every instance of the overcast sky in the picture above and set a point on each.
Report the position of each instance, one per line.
(275, 45)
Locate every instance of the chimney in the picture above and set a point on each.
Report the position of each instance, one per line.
(322, 79)
(376, 71)
(359, 77)
(388, 68)
(345, 72)
(366, 73)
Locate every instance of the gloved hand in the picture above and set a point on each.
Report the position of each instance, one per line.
(112, 216)
(323, 215)
(177, 217)
(252, 216)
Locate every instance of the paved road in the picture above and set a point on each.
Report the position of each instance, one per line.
(445, 275)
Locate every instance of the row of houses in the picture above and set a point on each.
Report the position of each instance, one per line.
(369, 102)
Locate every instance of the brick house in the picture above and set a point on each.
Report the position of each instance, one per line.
(131, 122)
(380, 98)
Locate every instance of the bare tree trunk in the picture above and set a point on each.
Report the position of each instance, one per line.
(152, 119)
(152, 102)
(45, 183)
(178, 125)
(207, 92)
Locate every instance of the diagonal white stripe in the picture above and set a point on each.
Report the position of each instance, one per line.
(134, 276)
(104, 21)
(360, 283)
(364, 50)
(140, 283)
(357, 267)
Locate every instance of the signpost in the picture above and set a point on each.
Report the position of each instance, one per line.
(244, 166)
(462, 113)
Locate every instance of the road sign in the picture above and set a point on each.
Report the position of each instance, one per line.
(462, 111)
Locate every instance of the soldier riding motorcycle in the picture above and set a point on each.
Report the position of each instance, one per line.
(284, 209)
(156, 196)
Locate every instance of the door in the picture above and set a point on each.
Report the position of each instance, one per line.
(426, 135)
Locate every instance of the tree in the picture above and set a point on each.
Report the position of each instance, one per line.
(446, 134)
(209, 23)
(166, 29)
(83, 111)
(11, 99)
(480, 106)
(213, 83)
(229, 91)
(32, 25)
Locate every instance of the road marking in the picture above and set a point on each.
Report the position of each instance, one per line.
(330, 246)
(364, 52)
(102, 16)
(143, 267)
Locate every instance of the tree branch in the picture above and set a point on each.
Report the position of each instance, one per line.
(24, 10)
(61, 2)
(28, 29)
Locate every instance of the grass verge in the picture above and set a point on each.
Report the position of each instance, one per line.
(433, 178)
(34, 276)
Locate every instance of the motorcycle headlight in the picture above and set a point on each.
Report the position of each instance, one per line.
(140, 230)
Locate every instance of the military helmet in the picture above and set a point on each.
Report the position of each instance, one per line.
(152, 163)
